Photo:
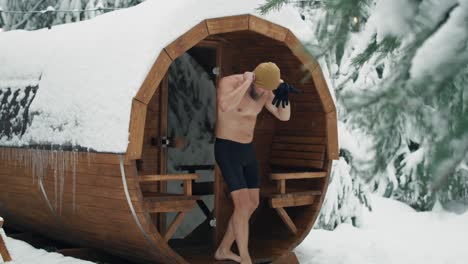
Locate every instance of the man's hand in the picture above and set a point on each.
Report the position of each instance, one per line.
(249, 76)
(282, 94)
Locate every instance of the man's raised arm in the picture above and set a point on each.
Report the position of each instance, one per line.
(230, 94)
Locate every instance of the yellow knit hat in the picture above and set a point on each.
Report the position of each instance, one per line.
(267, 75)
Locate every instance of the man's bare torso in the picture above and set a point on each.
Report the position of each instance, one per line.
(239, 124)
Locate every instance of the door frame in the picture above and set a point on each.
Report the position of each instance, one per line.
(164, 125)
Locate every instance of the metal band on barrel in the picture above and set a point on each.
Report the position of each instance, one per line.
(127, 195)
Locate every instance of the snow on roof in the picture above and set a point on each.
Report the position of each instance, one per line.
(82, 76)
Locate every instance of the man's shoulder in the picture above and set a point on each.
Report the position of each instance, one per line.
(231, 80)
(233, 77)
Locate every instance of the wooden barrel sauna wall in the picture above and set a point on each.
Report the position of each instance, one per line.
(118, 203)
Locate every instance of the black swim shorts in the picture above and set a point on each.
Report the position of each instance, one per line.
(238, 163)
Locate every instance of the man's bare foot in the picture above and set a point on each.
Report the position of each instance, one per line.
(226, 255)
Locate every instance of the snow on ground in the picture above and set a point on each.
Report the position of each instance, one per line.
(23, 253)
(392, 233)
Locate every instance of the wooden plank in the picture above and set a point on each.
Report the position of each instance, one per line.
(314, 132)
(188, 40)
(296, 199)
(163, 125)
(104, 231)
(306, 98)
(137, 128)
(100, 202)
(297, 154)
(298, 175)
(286, 219)
(291, 193)
(105, 181)
(101, 215)
(297, 163)
(267, 28)
(149, 187)
(154, 77)
(227, 24)
(281, 186)
(169, 206)
(188, 187)
(332, 136)
(305, 107)
(300, 52)
(94, 170)
(106, 192)
(302, 139)
(323, 91)
(169, 177)
(173, 227)
(300, 124)
(22, 155)
(299, 147)
(313, 116)
(288, 258)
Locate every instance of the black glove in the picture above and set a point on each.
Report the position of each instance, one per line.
(282, 94)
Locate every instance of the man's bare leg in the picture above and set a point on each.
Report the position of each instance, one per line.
(240, 224)
(224, 249)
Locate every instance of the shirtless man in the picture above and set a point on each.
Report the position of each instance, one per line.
(240, 98)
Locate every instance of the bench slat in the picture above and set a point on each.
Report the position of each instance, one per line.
(298, 147)
(298, 154)
(300, 139)
(168, 177)
(297, 162)
(298, 175)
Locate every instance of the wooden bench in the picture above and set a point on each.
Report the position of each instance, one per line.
(3, 249)
(293, 158)
(161, 202)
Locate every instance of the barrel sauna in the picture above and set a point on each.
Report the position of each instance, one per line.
(120, 202)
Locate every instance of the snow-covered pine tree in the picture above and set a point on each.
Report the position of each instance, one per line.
(399, 70)
(31, 21)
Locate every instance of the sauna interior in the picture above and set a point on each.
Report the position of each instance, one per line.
(182, 116)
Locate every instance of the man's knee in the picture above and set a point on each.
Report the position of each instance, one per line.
(255, 204)
(254, 199)
(242, 201)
